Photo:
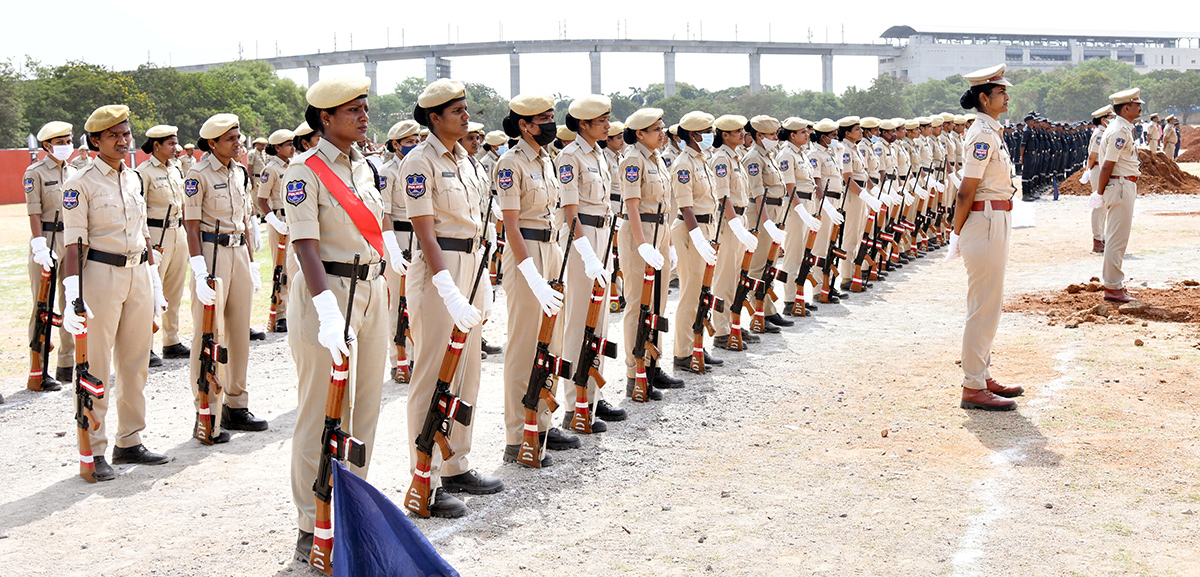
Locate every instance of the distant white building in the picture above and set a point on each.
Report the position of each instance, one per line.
(927, 54)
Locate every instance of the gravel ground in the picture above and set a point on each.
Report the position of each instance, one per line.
(836, 448)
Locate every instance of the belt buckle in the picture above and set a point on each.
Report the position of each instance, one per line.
(132, 260)
(234, 241)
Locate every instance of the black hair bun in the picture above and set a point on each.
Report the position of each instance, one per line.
(969, 100)
(511, 129)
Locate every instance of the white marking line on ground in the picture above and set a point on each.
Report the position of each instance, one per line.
(990, 490)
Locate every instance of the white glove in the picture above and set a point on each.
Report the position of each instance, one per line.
(591, 263)
(674, 255)
(953, 252)
(703, 247)
(870, 200)
(550, 299)
(939, 186)
(955, 180)
(832, 212)
(41, 252)
(650, 255)
(256, 238)
(777, 235)
(886, 198)
(331, 325)
(204, 293)
(71, 321)
(744, 236)
(909, 199)
(1095, 200)
(921, 192)
(395, 255)
(255, 277)
(1086, 177)
(809, 220)
(464, 314)
(160, 301)
(277, 223)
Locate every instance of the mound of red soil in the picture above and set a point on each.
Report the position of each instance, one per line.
(1160, 175)
(1084, 303)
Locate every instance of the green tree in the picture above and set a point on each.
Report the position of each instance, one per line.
(12, 109)
(71, 93)
(1078, 95)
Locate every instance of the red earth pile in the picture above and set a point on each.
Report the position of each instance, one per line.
(1160, 175)
(1084, 303)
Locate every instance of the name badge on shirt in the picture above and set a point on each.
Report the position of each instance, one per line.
(220, 186)
(652, 171)
(593, 169)
(50, 183)
(536, 176)
(449, 174)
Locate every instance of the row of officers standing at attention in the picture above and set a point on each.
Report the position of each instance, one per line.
(584, 221)
(1047, 152)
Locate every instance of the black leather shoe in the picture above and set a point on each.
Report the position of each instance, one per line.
(281, 326)
(137, 454)
(446, 506)
(483, 355)
(241, 420)
(491, 349)
(176, 351)
(661, 380)
(607, 412)
(50, 384)
(304, 543)
(651, 392)
(155, 360)
(599, 426)
(780, 321)
(556, 440)
(685, 363)
(709, 359)
(65, 374)
(769, 328)
(511, 451)
(104, 471)
(257, 335)
(837, 293)
(810, 307)
(472, 483)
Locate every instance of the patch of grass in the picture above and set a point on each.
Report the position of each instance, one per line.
(1116, 528)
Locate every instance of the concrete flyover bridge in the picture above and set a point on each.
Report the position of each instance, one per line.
(437, 56)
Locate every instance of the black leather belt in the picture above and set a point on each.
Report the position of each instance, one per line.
(739, 210)
(52, 227)
(593, 221)
(119, 260)
(773, 201)
(279, 212)
(891, 177)
(615, 197)
(158, 223)
(700, 218)
(402, 226)
(861, 183)
(536, 234)
(832, 194)
(923, 169)
(228, 240)
(370, 271)
(874, 180)
(649, 217)
(454, 244)
(804, 195)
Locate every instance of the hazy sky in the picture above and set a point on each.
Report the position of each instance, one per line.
(123, 35)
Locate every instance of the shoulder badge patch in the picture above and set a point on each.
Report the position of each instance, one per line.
(631, 173)
(70, 198)
(845, 157)
(813, 162)
(721, 170)
(28, 185)
(265, 176)
(981, 150)
(414, 185)
(566, 173)
(1120, 143)
(667, 161)
(783, 165)
(191, 186)
(752, 169)
(504, 178)
(382, 182)
(295, 192)
(684, 176)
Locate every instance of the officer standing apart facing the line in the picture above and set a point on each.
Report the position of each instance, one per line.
(1100, 118)
(162, 181)
(1119, 172)
(981, 232)
(105, 215)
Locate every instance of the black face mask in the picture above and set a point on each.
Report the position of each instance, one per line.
(548, 132)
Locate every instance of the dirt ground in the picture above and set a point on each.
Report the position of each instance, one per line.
(835, 448)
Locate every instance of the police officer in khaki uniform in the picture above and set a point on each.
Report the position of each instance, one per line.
(731, 190)
(982, 224)
(217, 196)
(769, 192)
(43, 182)
(270, 200)
(1100, 118)
(586, 182)
(854, 175)
(797, 173)
(257, 159)
(187, 160)
(306, 138)
(402, 138)
(614, 150)
(105, 215)
(528, 192)
(1119, 172)
(828, 171)
(162, 181)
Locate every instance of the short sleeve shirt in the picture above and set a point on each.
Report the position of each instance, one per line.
(43, 182)
(213, 193)
(105, 208)
(730, 179)
(271, 183)
(525, 182)
(796, 169)
(763, 173)
(314, 214)
(1117, 146)
(1094, 141)
(441, 183)
(644, 177)
(390, 189)
(692, 183)
(988, 160)
(853, 162)
(830, 169)
(163, 184)
(585, 178)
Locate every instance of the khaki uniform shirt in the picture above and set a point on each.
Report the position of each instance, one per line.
(258, 163)
(644, 177)
(271, 187)
(830, 168)
(693, 184)
(901, 158)
(217, 193)
(314, 214)
(442, 183)
(43, 183)
(762, 172)
(1117, 146)
(392, 189)
(163, 184)
(796, 168)
(586, 178)
(1170, 137)
(870, 160)
(106, 209)
(925, 151)
(669, 154)
(988, 160)
(730, 178)
(853, 162)
(525, 182)
(186, 162)
(1094, 143)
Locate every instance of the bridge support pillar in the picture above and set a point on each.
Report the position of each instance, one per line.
(314, 74)
(668, 74)
(372, 71)
(514, 74)
(827, 72)
(594, 57)
(755, 73)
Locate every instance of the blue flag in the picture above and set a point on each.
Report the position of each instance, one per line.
(371, 536)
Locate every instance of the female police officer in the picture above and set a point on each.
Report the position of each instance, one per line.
(162, 181)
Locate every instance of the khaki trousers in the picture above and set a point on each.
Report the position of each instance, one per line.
(1119, 197)
(577, 298)
(852, 231)
(1099, 215)
(635, 267)
(66, 341)
(726, 277)
(364, 389)
(405, 240)
(793, 249)
(524, 322)
(233, 268)
(759, 261)
(984, 246)
(691, 280)
(174, 271)
(119, 339)
(431, 329)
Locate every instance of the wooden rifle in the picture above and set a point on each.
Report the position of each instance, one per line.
(45, 319)
(588, 364)
(211, 354)
(546, 366)
(808, 262)
(766, 286)
(403, 322)
(335, 444)
(649, 322)
(87, 388)
(616, 298)
(708, 301)
(494, 270)
(278, 279)
(865, 244)
(835, 252)
(745, 287)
